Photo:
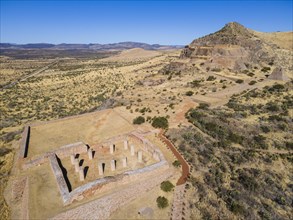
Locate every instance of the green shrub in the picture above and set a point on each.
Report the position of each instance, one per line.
(203, 106)
(216, 69)
(236, 208)
(162, 202)
(195, 83)
(138, 120)
(252, 82)
(160, 122)
(211, 78)
(176, 163)
(189, 93)
(239, 81)
(266, 69)
(167, 186)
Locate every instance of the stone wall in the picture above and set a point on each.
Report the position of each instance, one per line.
(25, 200)
(24, 142)
(103, 184)
(63, 188)
(20, 197)
(62, 152)
(148, 146)
(102, 208)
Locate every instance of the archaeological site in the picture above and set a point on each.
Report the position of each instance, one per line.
(89, 167)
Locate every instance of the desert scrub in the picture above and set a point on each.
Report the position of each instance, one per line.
(211, 78)
(160, 122)
(162, 202)
(139, 120)
(167, 186)
(176, 163)
(239, 81)
(189, 93)
(252, 82)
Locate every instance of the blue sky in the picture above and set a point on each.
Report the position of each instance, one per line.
(163, 22)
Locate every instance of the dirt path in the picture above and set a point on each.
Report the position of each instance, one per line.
(271, 151)
(179, 205)
(36, 72)
(180, 116)
(184, 164)
(222, 97)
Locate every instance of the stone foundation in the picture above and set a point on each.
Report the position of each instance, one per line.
(104, 207)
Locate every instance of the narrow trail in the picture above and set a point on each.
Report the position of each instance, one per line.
(23, 78)
(184, 164)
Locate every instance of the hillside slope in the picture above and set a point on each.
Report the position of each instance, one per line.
(236, 48)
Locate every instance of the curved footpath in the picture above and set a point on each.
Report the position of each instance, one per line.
(184, 164)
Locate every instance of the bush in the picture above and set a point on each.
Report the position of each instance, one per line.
(265, 69)
(160, 122)
(216, 70)
(176, 163)
(203, 106)
(138, 120)
(167, 186)
(211, 78)
(239, 81)
(189, 93)
(252, 82)
(162, 202)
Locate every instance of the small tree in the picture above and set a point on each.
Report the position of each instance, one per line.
(138, 120)
(162, 202)
(167, 186)
(189, 93)
(252, 82)
(239, 81)
(160, 122)
(203, 106)
(176, 163)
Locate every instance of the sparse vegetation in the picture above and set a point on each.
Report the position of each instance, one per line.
(160, 122)
(139, 120)
(239, 81)
(176, 163)
(167, 186)
(189, 93)
(162, 202)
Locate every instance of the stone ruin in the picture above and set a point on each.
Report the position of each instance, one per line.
(103, 183)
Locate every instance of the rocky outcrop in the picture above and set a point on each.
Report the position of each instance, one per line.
(278, 74)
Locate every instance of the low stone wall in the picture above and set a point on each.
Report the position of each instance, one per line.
(64, 151)
(24, 142)
(102, 208)
(25, 201)
(148, 146)
(108, 183)
(20, 197)
(63, 188)
(67, 150)
(103, 184)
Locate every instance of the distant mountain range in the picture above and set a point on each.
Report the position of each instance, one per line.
(113, 46)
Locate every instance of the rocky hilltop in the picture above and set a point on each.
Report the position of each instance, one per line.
(236, 48)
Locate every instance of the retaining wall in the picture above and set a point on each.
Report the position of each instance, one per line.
(64, 151)
(102, 208)
(103, 184)
(63, 188)
(24, 142)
